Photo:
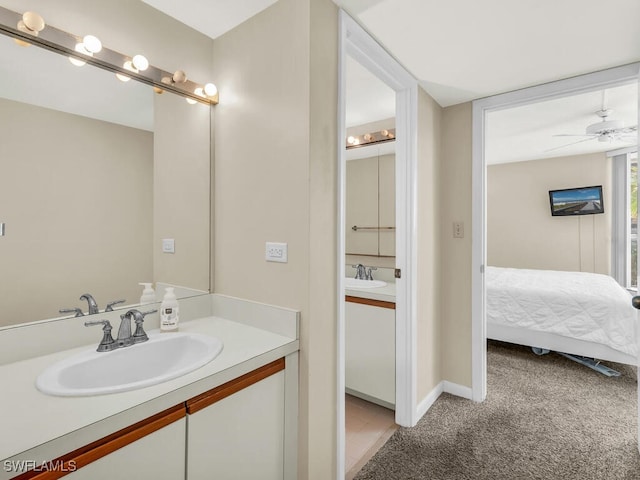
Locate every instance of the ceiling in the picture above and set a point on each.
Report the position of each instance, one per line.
(461, 50)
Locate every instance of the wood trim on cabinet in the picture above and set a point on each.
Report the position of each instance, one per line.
(87, 454)
(216, 394)
(369, 301)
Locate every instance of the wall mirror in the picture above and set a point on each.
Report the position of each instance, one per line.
(96, 172)
(370, 169)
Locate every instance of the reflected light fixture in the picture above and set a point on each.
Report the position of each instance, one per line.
(371, 138)
(128, 65)
(80, 49)
(90, 44)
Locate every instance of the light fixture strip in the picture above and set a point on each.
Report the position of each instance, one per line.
(372, 138)
(64, 43)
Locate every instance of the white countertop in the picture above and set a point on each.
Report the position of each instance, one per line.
(385, 294)
(31, 420)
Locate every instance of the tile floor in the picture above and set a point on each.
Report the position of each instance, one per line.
(368, 427)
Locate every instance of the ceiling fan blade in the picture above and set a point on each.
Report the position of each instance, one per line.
(569, 144)
(575, 135)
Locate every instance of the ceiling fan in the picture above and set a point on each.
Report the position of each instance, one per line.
(605, 130)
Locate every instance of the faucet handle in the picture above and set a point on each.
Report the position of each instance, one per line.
(77, 311)
(369, 275)
(107, 343)
(110, 305)
(139, 335)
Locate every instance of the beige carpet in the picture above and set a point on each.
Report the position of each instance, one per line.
(544, 418)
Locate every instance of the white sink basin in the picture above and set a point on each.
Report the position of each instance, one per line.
(163, 357)
(357, 283)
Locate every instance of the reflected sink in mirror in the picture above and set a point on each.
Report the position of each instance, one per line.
(163, 357)
(357, 283)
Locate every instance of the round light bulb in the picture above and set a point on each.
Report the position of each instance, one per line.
(351, 140)
(92, 44)
(190, 101)
(128, 65)
(33, 22)
(367, 136)
(179, 76)
(122, 78)
(384, 133)
(210, 90)
(140, 62)
(199, 91)
(80, 49)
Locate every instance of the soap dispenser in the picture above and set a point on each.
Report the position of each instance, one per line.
(169, 311)
(148, 294)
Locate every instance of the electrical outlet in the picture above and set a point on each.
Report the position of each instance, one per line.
(458, 230)
(276, 252)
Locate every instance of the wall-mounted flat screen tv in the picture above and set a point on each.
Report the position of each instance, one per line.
(576, 201)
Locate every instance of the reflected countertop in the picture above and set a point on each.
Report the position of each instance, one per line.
(385, 294)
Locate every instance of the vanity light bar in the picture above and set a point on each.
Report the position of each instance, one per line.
(355, 141)
(65, 43)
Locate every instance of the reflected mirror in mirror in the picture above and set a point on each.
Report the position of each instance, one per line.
(95, 174)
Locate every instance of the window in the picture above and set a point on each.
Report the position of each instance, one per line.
(624, 251)
(632, 254)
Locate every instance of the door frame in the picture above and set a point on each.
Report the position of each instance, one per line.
(357, 43)
(561, 88)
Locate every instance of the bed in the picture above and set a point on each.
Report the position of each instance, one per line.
(579, 313)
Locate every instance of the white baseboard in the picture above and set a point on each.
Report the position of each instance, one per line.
(444, 386)
(458, 390)
(428, 401)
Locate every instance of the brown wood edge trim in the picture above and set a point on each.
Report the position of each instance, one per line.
(369, 301)
(216, 394)
(87, 454)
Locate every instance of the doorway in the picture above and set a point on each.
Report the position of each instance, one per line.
(482, 109)
(359, 46)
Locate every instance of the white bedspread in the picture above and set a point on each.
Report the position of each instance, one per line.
(585, 306)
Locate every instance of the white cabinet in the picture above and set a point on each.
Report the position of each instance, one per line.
(238, 433)
(244, 429)
(159, 455)
(370, 351)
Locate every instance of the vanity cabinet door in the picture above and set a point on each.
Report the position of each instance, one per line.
(236, 431)
(159, 455)
(370, 351)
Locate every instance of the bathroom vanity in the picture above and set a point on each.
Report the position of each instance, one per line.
(241, 405)
(370, 347)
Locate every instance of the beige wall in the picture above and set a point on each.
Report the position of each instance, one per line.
(521, 232)
(455, 253)
(182, 189)
(275, 180)
(76, 197)
(429, 371)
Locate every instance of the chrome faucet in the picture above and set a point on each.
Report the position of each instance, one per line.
(125, 338)
(369, 275)
(93, 306)
(360, 271)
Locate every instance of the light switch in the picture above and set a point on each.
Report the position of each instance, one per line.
(168, 245)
